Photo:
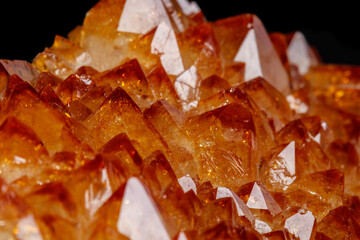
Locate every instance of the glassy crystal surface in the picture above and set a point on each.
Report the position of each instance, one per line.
(149, 122)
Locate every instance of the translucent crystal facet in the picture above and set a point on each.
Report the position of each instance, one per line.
(149, 122)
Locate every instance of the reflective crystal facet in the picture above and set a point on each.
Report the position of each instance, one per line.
(149, 122)
(301, 225)
(136, 210)
(244, 39)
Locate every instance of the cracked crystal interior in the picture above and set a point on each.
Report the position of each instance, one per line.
(148, 122)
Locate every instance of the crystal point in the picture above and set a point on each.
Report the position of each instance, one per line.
(139, 217)
(300, 53)
(140, 16)
(301, 225)
(150, 122)
(165, 44)
(244, 39)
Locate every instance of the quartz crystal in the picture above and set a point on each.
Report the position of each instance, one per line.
(150, 123)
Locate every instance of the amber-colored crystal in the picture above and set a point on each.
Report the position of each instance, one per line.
(149, 122)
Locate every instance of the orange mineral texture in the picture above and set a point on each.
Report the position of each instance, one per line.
(150, 123)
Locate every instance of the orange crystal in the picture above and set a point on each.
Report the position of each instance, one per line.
(149, 122)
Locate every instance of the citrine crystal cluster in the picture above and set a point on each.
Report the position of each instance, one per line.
(150, 123)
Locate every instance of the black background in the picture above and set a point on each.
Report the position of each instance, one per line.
(27, 27)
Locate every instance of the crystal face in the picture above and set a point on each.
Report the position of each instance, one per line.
(148, 122)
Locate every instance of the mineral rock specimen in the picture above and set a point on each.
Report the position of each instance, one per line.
(148, 122)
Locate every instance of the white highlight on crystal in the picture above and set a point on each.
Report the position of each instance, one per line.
(223, 192)
(188, 8)
(298, 53)
(288, 154)
(324, 125)
(301, 225)
(187, 184)
(21, 68)
(317, 138)
(177, 20)
(249, 54)
(28, 229)
(141, 16)
(283, 170)
(139, 218)
(168, 4)
(19, 160)
(185, 85)
(256, 199)
(174, 15)
(95, 199)
(165, 44)
(297, 105)
(182, 236)
(262, 227)
(83, 59)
